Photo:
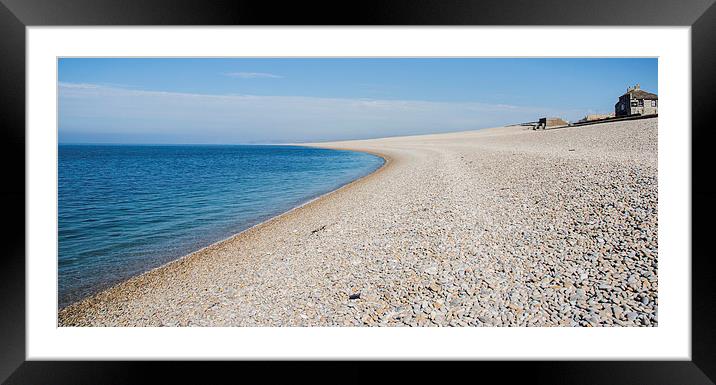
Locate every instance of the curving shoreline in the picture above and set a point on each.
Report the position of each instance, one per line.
(77, 305)
(490, 227)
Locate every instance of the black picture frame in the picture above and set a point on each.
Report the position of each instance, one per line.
(15, 15)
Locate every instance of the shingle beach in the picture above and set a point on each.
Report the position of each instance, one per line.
(495, 227)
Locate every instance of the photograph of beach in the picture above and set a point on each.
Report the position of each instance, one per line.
(413, 192)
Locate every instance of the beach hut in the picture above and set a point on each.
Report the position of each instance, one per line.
(545, 123)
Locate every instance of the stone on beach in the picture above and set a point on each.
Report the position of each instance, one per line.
(495, 227)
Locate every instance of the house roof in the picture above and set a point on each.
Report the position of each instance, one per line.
(641, 94)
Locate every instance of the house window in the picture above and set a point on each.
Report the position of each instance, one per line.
(634, 103)
(653, 103)
(641, 102)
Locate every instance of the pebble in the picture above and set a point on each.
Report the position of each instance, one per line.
(496, 227)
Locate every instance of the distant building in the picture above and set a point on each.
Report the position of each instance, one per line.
(545, 123)
(636, 101)
(593, 117)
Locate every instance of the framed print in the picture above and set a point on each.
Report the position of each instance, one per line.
(522, 183)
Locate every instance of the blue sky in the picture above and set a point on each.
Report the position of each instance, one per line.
(276, 100)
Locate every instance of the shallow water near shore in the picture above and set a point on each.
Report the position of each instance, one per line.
(125, 209)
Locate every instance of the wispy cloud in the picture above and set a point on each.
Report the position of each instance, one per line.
(253, 75)
(78, 85)
(132, 115)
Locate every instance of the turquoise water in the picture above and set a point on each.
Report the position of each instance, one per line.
(126, 209)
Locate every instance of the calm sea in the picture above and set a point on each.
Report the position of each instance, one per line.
(126, 209)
